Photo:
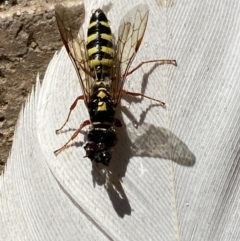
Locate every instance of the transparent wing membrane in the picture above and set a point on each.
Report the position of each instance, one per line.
(130, 35)
(70, 20)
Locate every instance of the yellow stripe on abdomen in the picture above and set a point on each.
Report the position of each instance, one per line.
(92, 51)
(91, 38)
(105, 24)
(107, 37)
(92, 24)
(105, 62)
(107, 50)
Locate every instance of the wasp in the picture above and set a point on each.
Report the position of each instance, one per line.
(102, 67)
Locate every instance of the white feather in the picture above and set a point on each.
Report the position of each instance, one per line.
(185, 188)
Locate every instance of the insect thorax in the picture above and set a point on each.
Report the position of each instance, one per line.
(101, 108)
(102, 137)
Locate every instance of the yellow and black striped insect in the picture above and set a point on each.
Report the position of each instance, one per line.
(102, 68)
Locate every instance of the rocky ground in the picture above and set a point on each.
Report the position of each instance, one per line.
(28, 39)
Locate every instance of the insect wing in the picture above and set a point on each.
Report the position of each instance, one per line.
(70, 20)
(130, 35)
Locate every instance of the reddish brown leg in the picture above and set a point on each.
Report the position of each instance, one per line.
(85, 123)
(139, 94)
(81, 97)
(160, 62)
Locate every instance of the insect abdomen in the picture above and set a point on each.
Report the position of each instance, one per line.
(99, 45)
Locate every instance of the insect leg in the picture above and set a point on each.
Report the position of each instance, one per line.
(139, 94)
(160, 62)
(81, 97)
(85, 123)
